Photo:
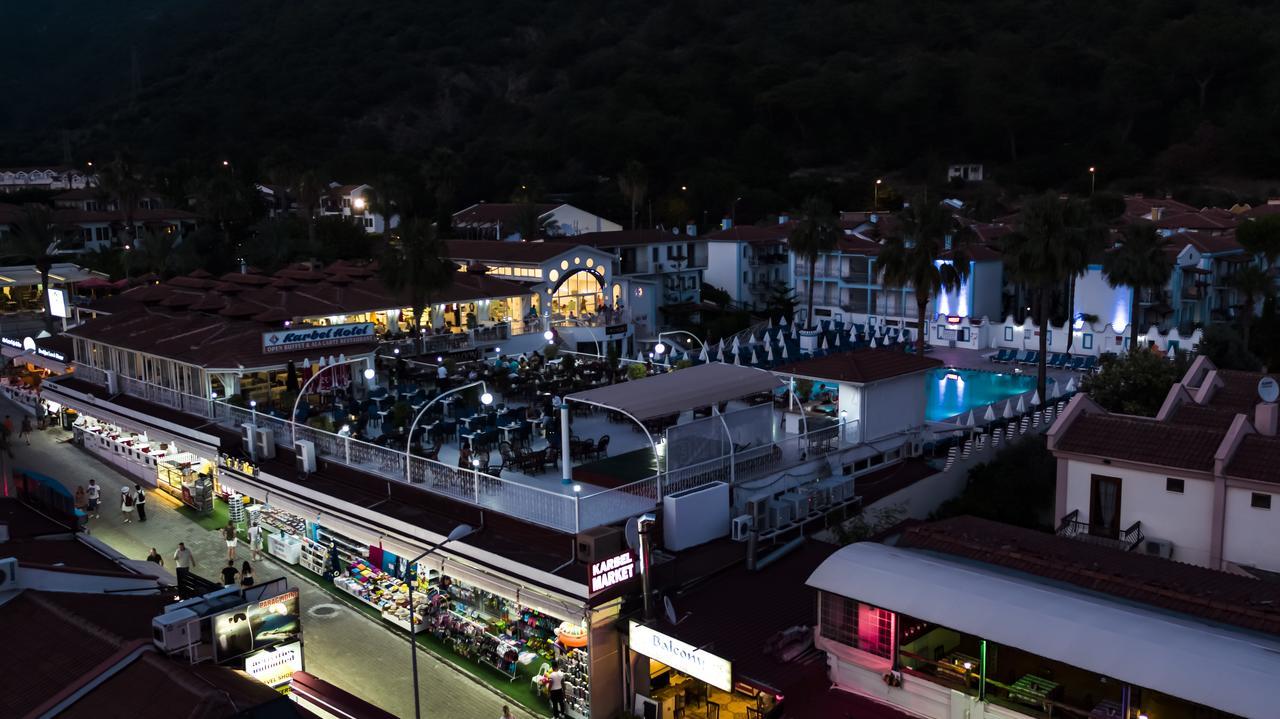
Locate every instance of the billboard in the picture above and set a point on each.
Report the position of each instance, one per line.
(58, 306)
(257, 625)
(275, 666)
(305, 338)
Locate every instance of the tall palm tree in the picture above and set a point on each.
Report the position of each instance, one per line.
(1138, 261)
(633, 184)
(1043, 254)
(918, 258)
(413, 265)
(815, 234)
(1252, 282)
(34, 239)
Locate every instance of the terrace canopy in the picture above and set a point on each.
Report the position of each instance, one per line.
(1199, 661)
(674, 392)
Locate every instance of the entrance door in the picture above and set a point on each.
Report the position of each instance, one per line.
(1104, 506)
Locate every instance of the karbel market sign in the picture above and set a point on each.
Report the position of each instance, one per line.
(305, 338)
(612, 571)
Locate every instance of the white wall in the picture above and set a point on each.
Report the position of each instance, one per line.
(894, 405)
(724, 268)
(1185, 519)
(1094, 296)
(570, 220)
(1251, 536)
(986, 284)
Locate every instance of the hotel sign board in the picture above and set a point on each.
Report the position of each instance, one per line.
(612, 571)
(305, 338)
(682, 657)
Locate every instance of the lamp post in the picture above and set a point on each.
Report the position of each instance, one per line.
(875, 195)
(1093, 178)
(293, 416)
(253, 408)
(485, 399)
(663, 347)
(459, 532)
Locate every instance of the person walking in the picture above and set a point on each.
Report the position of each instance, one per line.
(506, 712)
(229, 573)
(126, 504)
(229, 534)
(140, 501)
(82, 500)
(246, 575)
(555, 683)
(183, 561)
(93, 494)
(8, 426)
(25, 432)
(155, 557)
(255, 542)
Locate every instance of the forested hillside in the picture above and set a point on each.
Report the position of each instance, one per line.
(722, 96)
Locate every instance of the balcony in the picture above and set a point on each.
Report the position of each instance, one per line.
(1072, 528)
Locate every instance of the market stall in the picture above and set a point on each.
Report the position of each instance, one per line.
(132, 452)
(189, 479)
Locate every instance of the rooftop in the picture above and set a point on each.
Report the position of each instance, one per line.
(500, 251)
(752, 234)
(861, 366)
(1142, 439)
(487, 214)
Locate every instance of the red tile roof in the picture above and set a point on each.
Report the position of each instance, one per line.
(860, 366)
(1142, 440)
(1185, 588)
(753, 234)
(1258, 458)
(629, 238)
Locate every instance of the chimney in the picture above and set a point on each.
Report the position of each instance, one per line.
(784, 218)
(726, 223)
(1266, 416)
(691, 229)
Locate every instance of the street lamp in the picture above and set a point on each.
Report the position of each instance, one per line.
(875, 195)
(459, 532)
(485, 399)
(253, 408)
(358, 204)
(687, 333)
(302, 391)
(1093, 178)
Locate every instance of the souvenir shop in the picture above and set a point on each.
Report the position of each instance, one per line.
(487, 621)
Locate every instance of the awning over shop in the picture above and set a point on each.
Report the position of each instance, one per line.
(674, 392)
(1208, 664)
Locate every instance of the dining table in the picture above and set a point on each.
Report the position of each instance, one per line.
(1032, 690)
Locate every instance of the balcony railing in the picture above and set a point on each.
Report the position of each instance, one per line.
(1072, 528)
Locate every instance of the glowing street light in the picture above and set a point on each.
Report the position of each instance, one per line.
(659, 348)
(1093, 178)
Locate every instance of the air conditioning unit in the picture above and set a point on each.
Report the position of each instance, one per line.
(113, 382)
(249, 439)
(842, 491)
(266, 444)
(8, 574)
(599, 543)
(305, 455)
(781, 512)
(1158, 548)
(799, 504)
(176, 630)
(819, 498)
(742, 527)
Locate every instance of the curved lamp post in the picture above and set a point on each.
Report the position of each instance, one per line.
(485, 399)
(459, 532)
(660, 348)
(293, 415)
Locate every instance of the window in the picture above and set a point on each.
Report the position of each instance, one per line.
(839, 621)
(1260, 500)
(1174, 485)
(1008, 334)
(1086, 341)
(655, 254)
(857, 625)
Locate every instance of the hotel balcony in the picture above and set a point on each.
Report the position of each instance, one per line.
(1072, 528)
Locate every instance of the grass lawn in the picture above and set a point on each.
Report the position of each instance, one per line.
(216, 520)
(519, 689)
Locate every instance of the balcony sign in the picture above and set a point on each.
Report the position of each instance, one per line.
(682, 657)
(305, 338)
(612, 571)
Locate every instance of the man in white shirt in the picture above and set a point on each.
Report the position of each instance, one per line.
(555, 683)
(183, 560)
(93, 493)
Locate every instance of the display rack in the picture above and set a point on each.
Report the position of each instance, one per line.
(577, 684)
(314, 556)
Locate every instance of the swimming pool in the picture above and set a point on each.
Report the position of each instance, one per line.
(953, 391)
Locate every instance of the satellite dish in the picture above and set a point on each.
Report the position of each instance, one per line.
(1268, 389)
(670, 610)
(632, 532)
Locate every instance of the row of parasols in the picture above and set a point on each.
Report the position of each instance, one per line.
(1010, 410)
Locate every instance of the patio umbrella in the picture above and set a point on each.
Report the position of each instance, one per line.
(737, 358)
(1071, 385)
(1035, 399)
(768, 353)
(1022, 406)
(873, 343)
(702, 356)
(1008, 410)
(784, 350)
(968, 420)
(990, 416)
(736, 345)
(782, 321)
(754, 359)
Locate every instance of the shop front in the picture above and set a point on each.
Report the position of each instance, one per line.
(689, 682)
(507, 633)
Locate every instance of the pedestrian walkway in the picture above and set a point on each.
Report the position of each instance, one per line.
(342, 646)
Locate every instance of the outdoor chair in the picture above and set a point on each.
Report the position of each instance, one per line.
(602, 447)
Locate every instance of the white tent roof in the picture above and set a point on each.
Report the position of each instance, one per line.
(672, 392)
(1230, 670)
(60, 273)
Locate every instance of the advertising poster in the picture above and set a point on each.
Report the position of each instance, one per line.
(256, 626)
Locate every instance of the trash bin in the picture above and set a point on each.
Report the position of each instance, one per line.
(68, 418)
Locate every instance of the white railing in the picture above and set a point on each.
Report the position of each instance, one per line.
(90, 374)
(613, 505)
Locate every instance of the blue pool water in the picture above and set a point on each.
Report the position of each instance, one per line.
(955, 391)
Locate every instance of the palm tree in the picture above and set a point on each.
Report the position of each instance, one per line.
(918, 258)
(385, 202)
(633, 184)
(1261, 237)
(120, 182)
(1043, 254)
(34, 239)
(414, 265)
(1138, 261)
(1252, 282)
(814, 235)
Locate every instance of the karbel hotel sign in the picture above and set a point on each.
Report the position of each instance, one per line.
(305, 338)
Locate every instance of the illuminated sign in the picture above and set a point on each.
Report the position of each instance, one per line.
(51, 354)
(58, 303)
(11, 342)
(953, 319)
(612, 571)
(303, 338)
(259, 625)
(275, 666)
(682, 657)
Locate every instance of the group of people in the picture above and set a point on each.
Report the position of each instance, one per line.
(6, 432)
(184, 560)
(132, 500)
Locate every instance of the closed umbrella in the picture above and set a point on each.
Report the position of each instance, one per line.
(768, 352)
(1022, 407)
(702, 356)
(1172, 353)
(737, 347)
(1071, 385)
(721, 349)
(1008, 410)
(968, 420)
(737, 358)
(1035, 399)
(754, 358)
(784, 351)
(782, 321)
(990, 416)
(873, 343)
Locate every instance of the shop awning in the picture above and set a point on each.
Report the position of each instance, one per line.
(674, 392)
(1230, 670)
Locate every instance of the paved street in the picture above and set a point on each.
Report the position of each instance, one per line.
(343, 646)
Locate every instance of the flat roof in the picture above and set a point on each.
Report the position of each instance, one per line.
(1219, 667)
(673, 392)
